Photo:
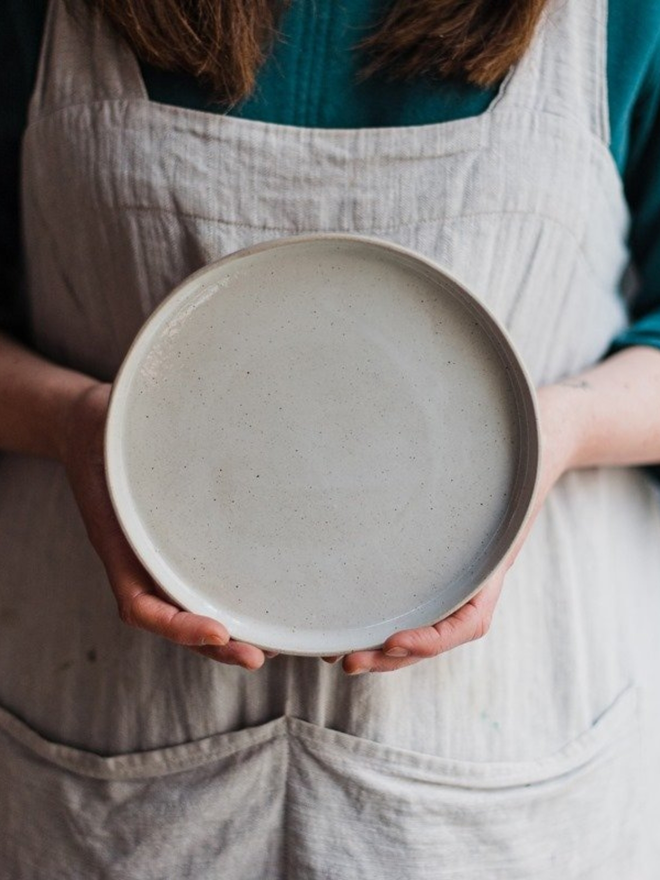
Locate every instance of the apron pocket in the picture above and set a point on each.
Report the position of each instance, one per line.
(292, 801)
(190, 811)
(359, 809)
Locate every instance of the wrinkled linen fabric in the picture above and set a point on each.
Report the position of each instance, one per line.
(531, 753)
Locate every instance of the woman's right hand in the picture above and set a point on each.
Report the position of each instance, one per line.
(139, 600)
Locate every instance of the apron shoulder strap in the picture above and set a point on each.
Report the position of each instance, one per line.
(564, 71)
(82, 61)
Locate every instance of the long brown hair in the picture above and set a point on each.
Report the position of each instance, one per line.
(224, 42)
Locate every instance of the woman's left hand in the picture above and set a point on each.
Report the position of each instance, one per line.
(472, 621)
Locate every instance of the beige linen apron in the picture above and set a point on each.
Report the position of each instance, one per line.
(529, 754)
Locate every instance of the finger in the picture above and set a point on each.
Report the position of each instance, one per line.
(332, 659)
(375, 661)
(270, 654)
(148, 611)
(139, 600)
(141, 603)
(234, 654)
(470, 622)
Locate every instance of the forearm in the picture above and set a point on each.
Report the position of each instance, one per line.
(607, 415)
(35, 399)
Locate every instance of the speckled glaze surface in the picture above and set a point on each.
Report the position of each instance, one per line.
(320, 441)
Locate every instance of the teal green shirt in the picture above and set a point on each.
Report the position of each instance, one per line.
(311, 79)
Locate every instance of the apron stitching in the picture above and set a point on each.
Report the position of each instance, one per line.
(300, 132)
(376, 229)
(473, 778)
(603, 152)
(83, 763)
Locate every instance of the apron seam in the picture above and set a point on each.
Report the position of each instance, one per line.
(578, 240)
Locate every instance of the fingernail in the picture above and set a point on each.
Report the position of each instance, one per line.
(358, 671)
(397, 652)
(249, 666)
(214, 640)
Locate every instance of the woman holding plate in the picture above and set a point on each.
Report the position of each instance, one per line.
(519, 148)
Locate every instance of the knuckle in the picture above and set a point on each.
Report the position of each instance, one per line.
(428, 643)
(126, 613)
(482, 626)
(430, 649)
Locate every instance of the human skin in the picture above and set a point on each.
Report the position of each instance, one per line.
(608, 415)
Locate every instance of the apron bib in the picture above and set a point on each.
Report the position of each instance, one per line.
(530, 754)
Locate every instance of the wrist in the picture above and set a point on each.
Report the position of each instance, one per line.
(607, 416)
(563, 415)
(36, 397)
(82, 414)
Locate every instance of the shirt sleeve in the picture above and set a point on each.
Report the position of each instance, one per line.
(642, 187)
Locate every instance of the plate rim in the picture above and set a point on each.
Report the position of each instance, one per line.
(496, 331)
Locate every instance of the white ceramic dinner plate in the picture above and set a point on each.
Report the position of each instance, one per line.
(320, 441)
